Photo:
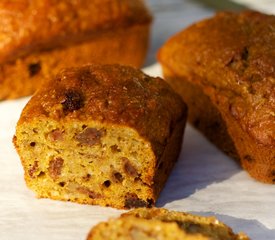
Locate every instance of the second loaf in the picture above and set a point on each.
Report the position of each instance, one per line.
(223, 67)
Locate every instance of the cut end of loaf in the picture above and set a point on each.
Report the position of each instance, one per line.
(87, 162)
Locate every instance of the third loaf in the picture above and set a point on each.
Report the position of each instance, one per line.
(224, 68)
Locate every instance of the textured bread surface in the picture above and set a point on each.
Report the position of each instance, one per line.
(159, 223)
(101, 134)
(223, 67)
(38, 38)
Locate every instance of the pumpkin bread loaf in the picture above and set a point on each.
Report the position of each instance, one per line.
(161, 224)
(101, 134)
(38, 38)
(224, 68)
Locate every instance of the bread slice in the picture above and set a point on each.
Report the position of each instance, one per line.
(101, 134)
(223, 67)
(161, 224)
(38, 38)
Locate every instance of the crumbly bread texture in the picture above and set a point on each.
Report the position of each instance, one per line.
(223, 67)
(161, 224)
(38, 38)
(101, 134)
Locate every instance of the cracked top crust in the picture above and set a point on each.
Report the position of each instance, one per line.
(28, 26)
(113, 94)
(232, 56)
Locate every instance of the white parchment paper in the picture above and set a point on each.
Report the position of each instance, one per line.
(204, 181)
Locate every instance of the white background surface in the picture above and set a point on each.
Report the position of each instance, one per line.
(267, 6)
(204, 180)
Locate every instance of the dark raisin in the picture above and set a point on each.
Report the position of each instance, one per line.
(132, 201)
(32, 144)
(115, 149)
(86, 177)
(93, 195)
(138, 179)
(73, 101)
(88, 192)
(244, 54)
(41, 174)
(129, 168)
(56, 135)
(248, 158)
(150, 202)
(55, 167)
(34, 68)
(118, 177)
(33, 169)
(107, 183)
(90, 136)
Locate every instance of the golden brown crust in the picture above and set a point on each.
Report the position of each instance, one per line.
(206, 119)
(125, 129)
(142, 100)
(38, 38)
(29, 26)
(231, 58)
(23, 76)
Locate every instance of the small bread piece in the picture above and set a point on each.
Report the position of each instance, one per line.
(223, 67)
(101, 134)
(38, 38)
(161, 224)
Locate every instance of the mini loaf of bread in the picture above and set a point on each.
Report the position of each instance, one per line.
(161, 224)
(38, 38)
(101, 134)
(224, 68)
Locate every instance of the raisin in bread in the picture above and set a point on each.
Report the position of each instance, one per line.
(101, 134)
(223, 67)
(161, 224)
(38, 38)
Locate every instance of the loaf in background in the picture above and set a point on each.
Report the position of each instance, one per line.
(224, 69)
(38, 38)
